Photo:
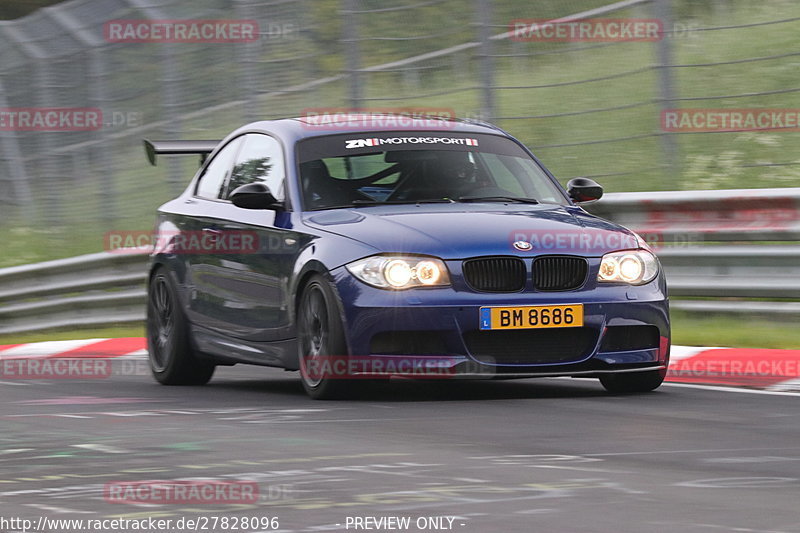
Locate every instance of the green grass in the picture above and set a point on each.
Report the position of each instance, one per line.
(74, 334)
(706, 161)
(694, 330)
(78, 214)
(688, 330)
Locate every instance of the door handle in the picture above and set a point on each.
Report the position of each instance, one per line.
(212, 235)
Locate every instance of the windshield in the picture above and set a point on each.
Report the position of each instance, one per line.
(354, 170)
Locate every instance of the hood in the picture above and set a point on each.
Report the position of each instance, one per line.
(459, 231)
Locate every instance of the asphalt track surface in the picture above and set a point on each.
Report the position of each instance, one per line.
(554, 455)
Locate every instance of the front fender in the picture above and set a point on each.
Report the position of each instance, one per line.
(322, 254)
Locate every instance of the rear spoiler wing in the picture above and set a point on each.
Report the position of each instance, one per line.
(201, 148)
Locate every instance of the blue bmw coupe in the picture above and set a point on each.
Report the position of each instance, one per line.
(353, 255)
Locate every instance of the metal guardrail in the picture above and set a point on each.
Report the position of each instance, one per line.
(705, 216)
(90, 290)
(105, 288)
(693, 233)
(737, 277)
(698, 234)
(739, 271)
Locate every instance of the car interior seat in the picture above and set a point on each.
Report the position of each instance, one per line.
(320, 189)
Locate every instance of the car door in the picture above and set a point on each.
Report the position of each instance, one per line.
(245, 293)
(200, 219)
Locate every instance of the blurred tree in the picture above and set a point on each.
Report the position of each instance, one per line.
(699, 8)
(11, 9)
(248, 172)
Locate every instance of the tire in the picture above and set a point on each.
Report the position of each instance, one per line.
(633, 382)
(168, 344)
(320, 334)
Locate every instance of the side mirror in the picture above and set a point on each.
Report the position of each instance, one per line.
(255, 196)
(583, 190)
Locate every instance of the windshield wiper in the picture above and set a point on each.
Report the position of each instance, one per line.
(358, 203)
(497, 199)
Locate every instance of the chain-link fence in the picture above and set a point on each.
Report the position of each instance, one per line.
(592, 106)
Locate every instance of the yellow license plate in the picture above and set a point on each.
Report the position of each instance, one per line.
(531, 317)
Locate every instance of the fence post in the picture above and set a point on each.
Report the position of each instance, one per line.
(483, 12)
(666, 87)
(350, 37)
(12, 155)
(47, 167)
(98, 95)
(174, 127)
(171, 91)
(247, 54)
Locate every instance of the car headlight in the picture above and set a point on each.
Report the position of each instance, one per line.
(400, 272)
(634, 267)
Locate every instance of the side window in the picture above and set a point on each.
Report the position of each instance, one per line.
(260, 159)
(212, 182)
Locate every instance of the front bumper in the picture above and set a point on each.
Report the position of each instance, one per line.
(440, 327)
